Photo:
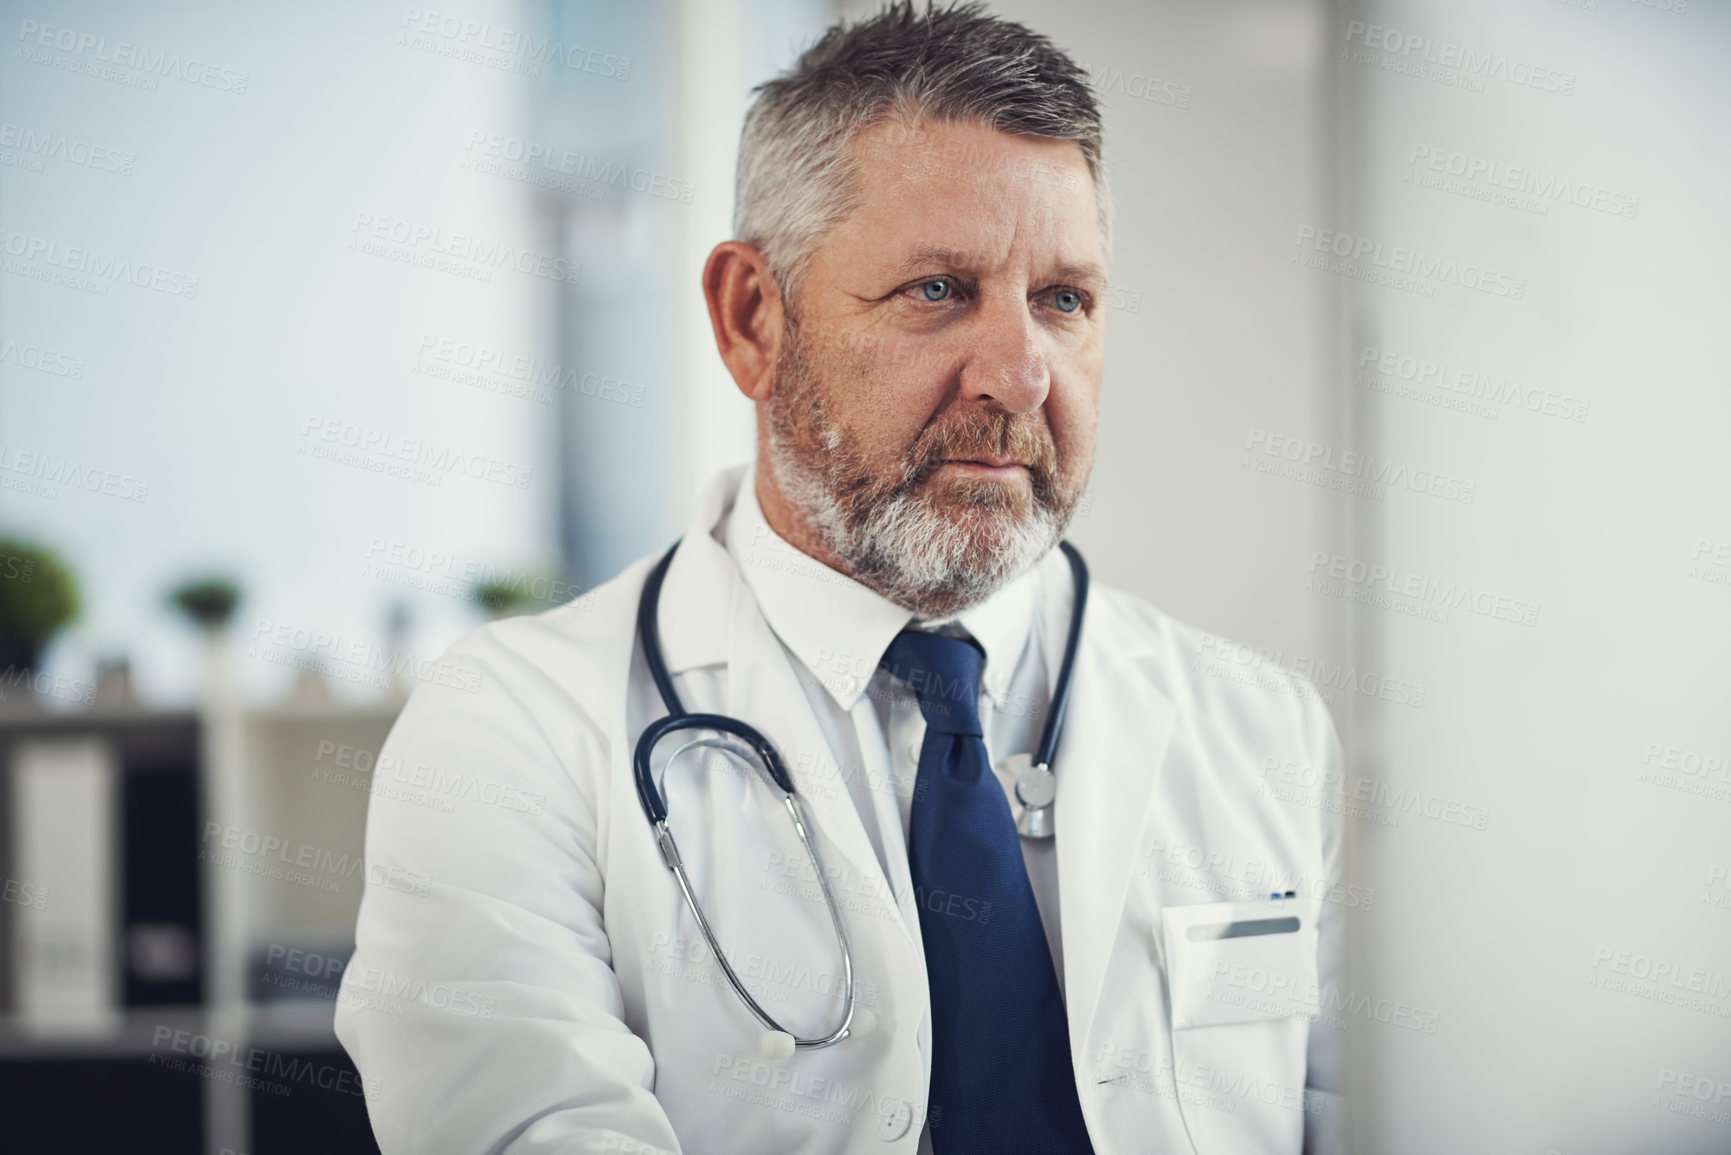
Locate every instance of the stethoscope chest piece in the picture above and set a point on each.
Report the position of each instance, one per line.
(1033, 789)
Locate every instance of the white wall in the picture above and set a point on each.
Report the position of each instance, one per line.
(1504, 932)
(207, 397)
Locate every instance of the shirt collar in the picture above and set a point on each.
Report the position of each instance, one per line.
(839, 628)
(1001, 624)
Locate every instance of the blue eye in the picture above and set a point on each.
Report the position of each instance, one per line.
(1067, 300)
(938, 290)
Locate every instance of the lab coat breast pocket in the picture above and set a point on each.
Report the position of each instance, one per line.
(1239, 962)
(1243, 982)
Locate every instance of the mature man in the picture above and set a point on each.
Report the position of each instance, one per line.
(915, 305)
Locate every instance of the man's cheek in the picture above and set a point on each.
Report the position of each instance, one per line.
(1073, 412)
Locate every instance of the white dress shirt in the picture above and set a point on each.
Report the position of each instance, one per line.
(837, 629)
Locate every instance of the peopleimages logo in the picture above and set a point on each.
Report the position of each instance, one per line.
(1348, 471)
(1392, 588)
(42, 359)
(1696, 1096)
(1316, 673)
(1711, 561)
(43, 144)
(1399, 267)
(1661, 980)
(415, 457)
(87, 47)
(463, 253)
(1494, 175)
(39, 474)
(1383, 801)
(299, 647)
(583, 166)
(1141, 86)
(483, 366)
(84, 262)
(1400, 51)
(467, 39)
(1463, 389)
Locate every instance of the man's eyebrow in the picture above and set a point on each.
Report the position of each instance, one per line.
(1085, 271)
(924, 256)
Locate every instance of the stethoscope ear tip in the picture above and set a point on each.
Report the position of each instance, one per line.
(775, 1045)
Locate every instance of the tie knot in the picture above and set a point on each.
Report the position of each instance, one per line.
(945, 675)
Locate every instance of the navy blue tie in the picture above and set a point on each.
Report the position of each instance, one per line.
(1002, 1082)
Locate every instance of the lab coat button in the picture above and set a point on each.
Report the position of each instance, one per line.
(894, 1120)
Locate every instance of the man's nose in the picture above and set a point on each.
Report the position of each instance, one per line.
(1007, 364)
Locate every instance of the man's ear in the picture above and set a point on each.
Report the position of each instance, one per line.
(745, 310)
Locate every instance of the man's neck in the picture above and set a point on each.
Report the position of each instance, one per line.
(790, 523)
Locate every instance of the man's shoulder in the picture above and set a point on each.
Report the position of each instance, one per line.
(1201, 671)
(568, 646)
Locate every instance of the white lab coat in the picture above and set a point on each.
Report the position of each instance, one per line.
(527, 978)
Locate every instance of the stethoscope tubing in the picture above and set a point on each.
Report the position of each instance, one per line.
(770, 764)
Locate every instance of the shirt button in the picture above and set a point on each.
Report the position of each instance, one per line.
(914, 750)
(894, 1120)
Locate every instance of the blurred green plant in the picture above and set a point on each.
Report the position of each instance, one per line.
(208, 601)
(518, 593)
(38, 597)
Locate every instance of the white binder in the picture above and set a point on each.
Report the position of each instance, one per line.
(65, 794)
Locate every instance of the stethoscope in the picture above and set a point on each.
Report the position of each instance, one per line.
(1035, 790)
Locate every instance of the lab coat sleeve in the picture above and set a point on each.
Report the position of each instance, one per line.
(480, 1006)
(1325, 1118)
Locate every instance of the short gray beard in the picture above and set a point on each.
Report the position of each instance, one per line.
(901, 546)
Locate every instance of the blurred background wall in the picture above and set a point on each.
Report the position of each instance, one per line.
(1578, 948)
(380, 318)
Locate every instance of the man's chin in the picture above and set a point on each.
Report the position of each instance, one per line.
(961, 494)
(948, 556)
(990, 533)
(991, 541)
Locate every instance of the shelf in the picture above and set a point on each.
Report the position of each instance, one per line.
(294, 1025)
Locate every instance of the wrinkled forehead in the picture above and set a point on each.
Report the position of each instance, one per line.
(973, 199)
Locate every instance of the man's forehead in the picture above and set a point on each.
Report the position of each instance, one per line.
(970, 197)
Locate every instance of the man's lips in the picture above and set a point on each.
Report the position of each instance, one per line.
(998, 467)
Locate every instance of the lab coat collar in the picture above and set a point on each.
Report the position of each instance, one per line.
(835, 626)
(701, 582)
(840, 628)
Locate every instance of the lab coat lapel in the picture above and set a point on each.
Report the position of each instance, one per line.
(701, 585)
(1111, 754)
(764, 689)
(709, 617)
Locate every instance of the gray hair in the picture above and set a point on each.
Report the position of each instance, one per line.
(796, 177)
